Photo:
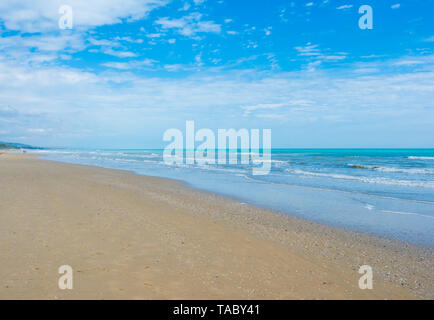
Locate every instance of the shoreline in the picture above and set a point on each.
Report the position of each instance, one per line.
(324, 258)
(349, 207)
(336, 228)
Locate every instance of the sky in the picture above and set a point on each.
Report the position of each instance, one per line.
(128, 70)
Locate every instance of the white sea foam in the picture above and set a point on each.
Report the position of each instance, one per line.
(407, 213)
(403, 170)
(391, 169)
(421, 158)
(378, 180)
(369, 206)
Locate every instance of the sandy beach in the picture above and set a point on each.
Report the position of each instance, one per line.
(128, 236)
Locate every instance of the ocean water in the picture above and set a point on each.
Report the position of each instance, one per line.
(386, 192)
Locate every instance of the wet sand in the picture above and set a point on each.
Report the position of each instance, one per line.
(128, 236)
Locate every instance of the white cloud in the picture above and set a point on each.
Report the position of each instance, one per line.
(333, 57)
(268, 31)
(154, 35)
(51, 43)
(42, 42)
(43, 15)
(251, 44)
(345, 6)
(208, 26)
(118, 65)
(262, 106)
(315, 56)
(185, 7)
(308, 50)
(38, 130)
(373, 56)
(173, 67)
(189, 25)
(135, 64)
(129, 39)
(396, 6)
(70, 101)
(40, 48)
(312, 66)
(408, 62)
(119, 54)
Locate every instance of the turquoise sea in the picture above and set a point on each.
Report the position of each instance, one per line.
(387, 192)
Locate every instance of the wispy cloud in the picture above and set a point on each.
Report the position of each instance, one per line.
(268, 31)
(120, 54)
(189, 25)
(308, 50)
(315, 56)
(55, 94)
(408, 62)
(185, 7)
(131, 64)
(344, 7)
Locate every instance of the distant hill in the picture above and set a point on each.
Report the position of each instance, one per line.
(12, 145)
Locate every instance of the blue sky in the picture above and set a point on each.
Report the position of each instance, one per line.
(128, 70)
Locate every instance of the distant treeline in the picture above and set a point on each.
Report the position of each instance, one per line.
(9, 145)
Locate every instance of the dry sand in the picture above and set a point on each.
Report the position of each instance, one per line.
(134, 237)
